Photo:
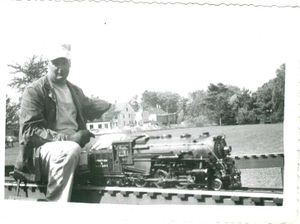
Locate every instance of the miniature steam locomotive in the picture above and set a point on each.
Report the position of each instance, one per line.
(160, 161)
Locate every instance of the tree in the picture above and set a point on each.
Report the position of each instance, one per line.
(28, 72)
(278, 95)
(196, 104)
(243, 106)
(217, 103)
(23, 75)
(11, 112)
(12, 117)
(167, 101)
(269, 98)
(264, 101)
(196, 112)
(182, 109)
(149, 99)
(245, 116)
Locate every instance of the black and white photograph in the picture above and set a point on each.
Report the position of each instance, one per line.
(140, 111)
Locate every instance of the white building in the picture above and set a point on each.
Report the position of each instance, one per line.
(125, 116)
(98, 125)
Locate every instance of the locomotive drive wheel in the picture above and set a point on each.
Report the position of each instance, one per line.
(140, 182)
(216, 184)
(180, 185)
(162, 176)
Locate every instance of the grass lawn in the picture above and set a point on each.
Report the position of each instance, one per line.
(11, 154)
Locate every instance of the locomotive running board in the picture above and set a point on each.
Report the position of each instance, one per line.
(149, 196)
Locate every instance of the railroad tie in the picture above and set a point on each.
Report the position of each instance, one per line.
(152, 195)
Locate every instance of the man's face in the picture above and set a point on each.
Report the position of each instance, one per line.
(58, 70)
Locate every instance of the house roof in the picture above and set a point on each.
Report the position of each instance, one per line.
(121, 106)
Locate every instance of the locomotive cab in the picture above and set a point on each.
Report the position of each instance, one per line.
(112, 161)
(122, 155)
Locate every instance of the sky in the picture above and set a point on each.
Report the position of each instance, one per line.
(120, 50)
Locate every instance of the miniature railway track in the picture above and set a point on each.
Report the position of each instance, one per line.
(133, 195)
(177, 196)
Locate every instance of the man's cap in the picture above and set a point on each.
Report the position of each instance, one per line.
(60, 51)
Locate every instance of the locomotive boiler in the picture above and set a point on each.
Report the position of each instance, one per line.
(161, 161)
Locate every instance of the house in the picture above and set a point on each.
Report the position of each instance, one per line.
(152, 115)
(159, 116)
(98, 125)
(167, 119)
(125, 115)
(121, 116)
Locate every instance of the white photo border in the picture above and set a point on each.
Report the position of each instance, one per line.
(90, 213)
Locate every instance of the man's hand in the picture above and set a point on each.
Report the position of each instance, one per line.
(82, 137)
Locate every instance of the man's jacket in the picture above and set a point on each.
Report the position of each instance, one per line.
(38, 117)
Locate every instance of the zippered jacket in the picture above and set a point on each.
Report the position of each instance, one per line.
(38, 117)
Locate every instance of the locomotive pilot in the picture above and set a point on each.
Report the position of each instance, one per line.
(53, 126)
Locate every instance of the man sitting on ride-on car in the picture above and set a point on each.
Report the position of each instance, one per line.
(53, 126)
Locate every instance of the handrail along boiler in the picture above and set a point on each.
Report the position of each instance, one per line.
(161, 161)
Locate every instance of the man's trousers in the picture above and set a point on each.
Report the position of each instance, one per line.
(57, 162)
